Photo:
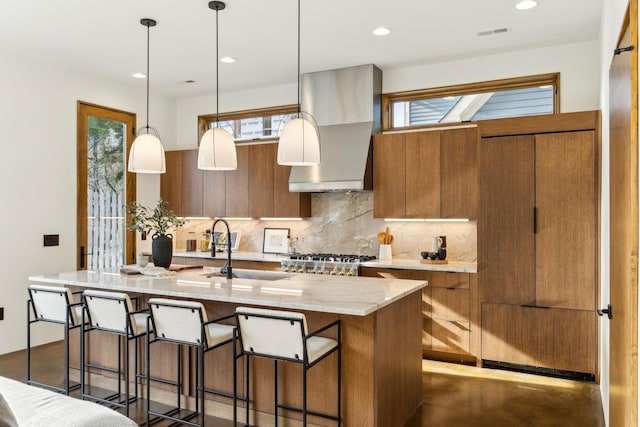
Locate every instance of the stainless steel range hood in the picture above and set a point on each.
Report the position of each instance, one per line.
(346, 106)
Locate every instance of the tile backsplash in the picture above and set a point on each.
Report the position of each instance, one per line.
(344, 223)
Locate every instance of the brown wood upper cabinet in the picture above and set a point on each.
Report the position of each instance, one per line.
(259, 187)
(427, 174)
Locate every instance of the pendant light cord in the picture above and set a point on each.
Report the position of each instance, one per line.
(148, 27)
(299, 107)
(217, 74)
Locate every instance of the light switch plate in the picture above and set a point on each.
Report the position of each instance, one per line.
(52, 240)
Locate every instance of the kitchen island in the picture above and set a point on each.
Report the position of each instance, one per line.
(381, 335)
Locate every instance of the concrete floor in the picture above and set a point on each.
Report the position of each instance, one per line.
(454, 395)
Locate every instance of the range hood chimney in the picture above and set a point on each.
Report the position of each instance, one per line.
(346, 106)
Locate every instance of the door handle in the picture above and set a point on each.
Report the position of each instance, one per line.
(83, 256)
(608, 311)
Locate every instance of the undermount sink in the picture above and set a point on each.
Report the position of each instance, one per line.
(252, 275)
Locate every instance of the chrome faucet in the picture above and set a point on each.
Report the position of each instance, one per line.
(227, 268)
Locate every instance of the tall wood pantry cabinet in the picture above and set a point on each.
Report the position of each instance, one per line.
(538, 242)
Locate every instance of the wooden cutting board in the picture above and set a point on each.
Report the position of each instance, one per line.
(434, 261)
(180, 267)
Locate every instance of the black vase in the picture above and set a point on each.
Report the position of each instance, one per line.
(162, 249)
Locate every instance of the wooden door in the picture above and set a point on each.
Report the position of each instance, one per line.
(422, 174)
(623, 140)
(262, 160)
(389, 176)
(104, 139)
(566, 220)
(505, 220)
(171, 181)
(191, 187)
(459, 173)
(237, 185)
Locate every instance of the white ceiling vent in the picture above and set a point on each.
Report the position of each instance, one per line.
(494, 31)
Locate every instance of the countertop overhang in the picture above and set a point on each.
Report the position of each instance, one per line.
(358, 296)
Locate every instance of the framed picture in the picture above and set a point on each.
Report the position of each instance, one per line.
(276, 241)
(220, 240)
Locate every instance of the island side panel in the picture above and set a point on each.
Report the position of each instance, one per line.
(358, 341)
(398, 361)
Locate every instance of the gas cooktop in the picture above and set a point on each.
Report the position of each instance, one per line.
(332, 257)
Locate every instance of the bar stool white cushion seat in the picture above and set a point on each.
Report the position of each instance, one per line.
(319, 346)
(51, 304)
(280, 337)
(109, 310)
(182, 321)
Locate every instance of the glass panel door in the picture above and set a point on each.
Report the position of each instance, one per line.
(104, 138)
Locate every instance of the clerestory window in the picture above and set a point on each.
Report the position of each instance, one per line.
(523, 96)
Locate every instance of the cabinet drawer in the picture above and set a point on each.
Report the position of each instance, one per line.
(450, 336)
(541, 337)
(448, 280)
(450, 304)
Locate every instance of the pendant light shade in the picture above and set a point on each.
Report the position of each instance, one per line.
(147, 153)
(217, 150)
(299, 143)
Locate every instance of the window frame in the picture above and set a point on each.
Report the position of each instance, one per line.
(388, 99)
(205, 120)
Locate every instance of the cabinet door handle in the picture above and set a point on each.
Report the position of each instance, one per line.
(535, 220)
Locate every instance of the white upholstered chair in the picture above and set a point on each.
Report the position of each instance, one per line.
(185, 323)
(53, 304)
(284, 336)
(113, 312)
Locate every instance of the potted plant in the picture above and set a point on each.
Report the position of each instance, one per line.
(157, 223)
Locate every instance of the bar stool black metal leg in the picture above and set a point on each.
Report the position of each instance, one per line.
(246, 409)
(201, 354)
(304, 394)
(28, 342)
(66, 359)
(275, 391)
(126, 376)
(339, 379)
(148, 373)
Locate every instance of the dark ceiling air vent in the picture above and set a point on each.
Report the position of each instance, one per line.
(494, 31)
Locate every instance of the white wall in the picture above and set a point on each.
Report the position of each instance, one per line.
(38, 175)
(612, 18)
(579, 82)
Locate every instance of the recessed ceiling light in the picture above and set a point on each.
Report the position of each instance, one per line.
(227, 60)
(526, 4)
(449, 98)
(139, 75)
(381, 31)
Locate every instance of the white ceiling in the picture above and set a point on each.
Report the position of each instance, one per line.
(105, 37)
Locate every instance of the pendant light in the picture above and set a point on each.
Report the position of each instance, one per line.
(299, 143)
(147, 152)
(217, 149)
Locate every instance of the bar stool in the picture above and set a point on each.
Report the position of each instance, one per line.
(54, 305)
(185, 323)
(283, 336)
(113, 312)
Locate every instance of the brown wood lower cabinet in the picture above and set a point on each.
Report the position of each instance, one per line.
(551, 338)
(450, 329)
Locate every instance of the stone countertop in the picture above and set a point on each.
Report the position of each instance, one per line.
(411, 264)
(358, 296)
(399, 263)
